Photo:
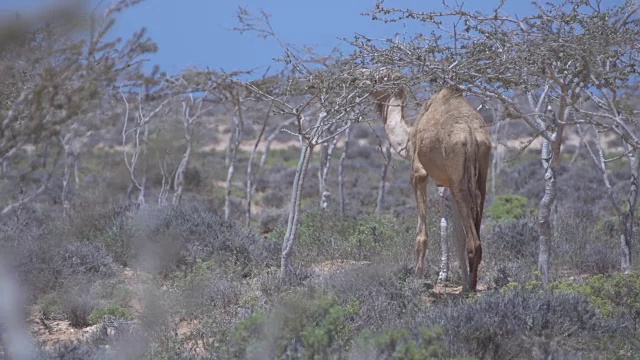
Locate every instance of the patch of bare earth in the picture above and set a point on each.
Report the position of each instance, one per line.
(441, 292)
(56, 332)
(136, 281)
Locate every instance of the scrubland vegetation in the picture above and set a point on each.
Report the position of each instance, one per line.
(125, 233)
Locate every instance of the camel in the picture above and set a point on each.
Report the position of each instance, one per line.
(449, 143)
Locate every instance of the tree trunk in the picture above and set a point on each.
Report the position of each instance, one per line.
(143, 185)
(68, 167)
(323, 172)
(341, 171)
(444, 236)
(76, 176)
(249, 189)
(628, 218)
(178, 183)
(497, 158)
(232, 163)
(143, 151)
(227, 195)
(383, 180)
(166, 183)
(576, 153)
(294, 211)
(544, 216)
(67, 143)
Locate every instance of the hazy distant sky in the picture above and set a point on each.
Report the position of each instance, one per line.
(198, 32)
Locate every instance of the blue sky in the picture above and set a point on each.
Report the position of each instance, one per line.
(198, 32)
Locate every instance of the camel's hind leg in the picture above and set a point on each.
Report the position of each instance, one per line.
(460, 245)
(472, 241)
(419, 180)
(475, 249)
(476, 252)
(463, 200)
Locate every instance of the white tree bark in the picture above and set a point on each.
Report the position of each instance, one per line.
(629, 217)
(67, 143)
(237, 138)
(294, 211)
(544, 214)
(341, 171)
(165, 187)
(178, 182)
(496, 163)
(444, 236)
(323, 171)
(250, 174)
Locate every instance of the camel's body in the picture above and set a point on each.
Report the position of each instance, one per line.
(448, 143)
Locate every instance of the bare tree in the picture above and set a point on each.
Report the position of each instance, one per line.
(136, 136)
(191, 112)
(236, 94)
(54, 69)
(608, 118)
(322, 99)
(71, 143)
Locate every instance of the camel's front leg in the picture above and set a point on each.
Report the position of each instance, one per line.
(419, 180)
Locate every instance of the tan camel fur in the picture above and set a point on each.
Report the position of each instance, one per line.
(450, 144)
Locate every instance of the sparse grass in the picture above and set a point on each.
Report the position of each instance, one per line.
(283, 157)
(98, 314)
(507, 207)
(327, 236)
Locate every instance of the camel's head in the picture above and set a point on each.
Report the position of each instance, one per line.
(384, 83)
(388, 91)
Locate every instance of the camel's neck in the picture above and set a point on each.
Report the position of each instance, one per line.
(395, 125)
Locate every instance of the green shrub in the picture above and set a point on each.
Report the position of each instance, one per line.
(507, 207)
(613, 294)
(114, 310)
(525, 323)
(303, 327)
(401, 344)
(50, 307)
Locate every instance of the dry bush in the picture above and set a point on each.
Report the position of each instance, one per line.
(585, 245)
(360, 152)
(386, 294)
(274, 197)
(180, 236)
(325, 235)
(524, 324)
(45, 263)
(511, 252)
